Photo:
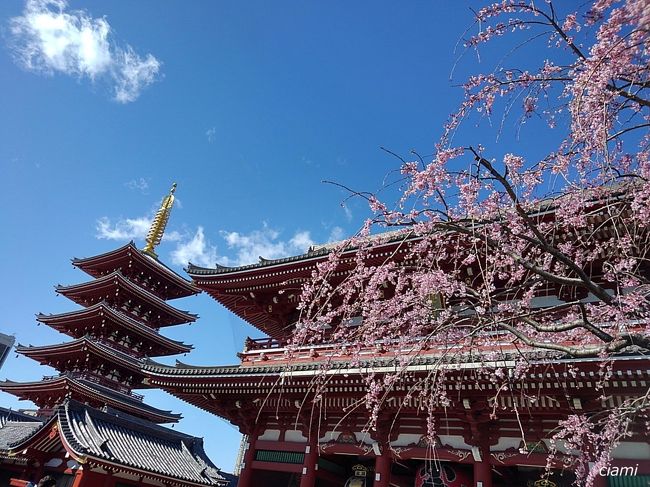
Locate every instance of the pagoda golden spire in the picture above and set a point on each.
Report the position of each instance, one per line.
(159, 223)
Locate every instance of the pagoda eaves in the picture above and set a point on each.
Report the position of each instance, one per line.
(49, 392)
(107, 288)
(132, 261)
(100, 320)
(98, 430)
(85, 353)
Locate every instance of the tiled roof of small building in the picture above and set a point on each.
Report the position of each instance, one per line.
(12, 432)
(137, 444)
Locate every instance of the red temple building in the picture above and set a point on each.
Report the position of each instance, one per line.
(91, 428)
(296, 439)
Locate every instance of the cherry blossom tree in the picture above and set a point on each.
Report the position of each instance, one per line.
(547, 253)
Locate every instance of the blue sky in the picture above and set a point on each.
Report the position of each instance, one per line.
(248, 106)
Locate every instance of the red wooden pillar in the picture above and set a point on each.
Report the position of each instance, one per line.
(383, 463)
(78, 478)
(483, 473)
(310, 463)
(246, 472)
(482, 465)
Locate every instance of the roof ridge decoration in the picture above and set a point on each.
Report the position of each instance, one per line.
(93, 435)
(159, 223)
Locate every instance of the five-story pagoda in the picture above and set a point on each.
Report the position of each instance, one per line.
(116, 329)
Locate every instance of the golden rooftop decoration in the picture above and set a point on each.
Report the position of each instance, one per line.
(159, 223)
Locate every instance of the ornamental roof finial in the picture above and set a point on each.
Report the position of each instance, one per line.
(159, 223)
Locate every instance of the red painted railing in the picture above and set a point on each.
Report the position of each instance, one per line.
(252, 344)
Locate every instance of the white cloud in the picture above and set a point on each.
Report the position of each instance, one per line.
(132, 74)
(127, 229)
(140, 184)
(48, 39)
(348, 212)
(197, 250)
(211, 134)
(301, 240)
(336, 235)
(265, 243)
(189, 248)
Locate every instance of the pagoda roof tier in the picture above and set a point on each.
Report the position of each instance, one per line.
(76, 354)
(122, 443)
(50, 392)
(114, 287)
(267, 294)
(100, 319)
(131, 261)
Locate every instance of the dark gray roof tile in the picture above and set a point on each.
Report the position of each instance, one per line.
(136, 444)
(12, 432)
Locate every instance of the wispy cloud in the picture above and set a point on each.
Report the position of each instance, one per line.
(243, 248)
(348, 212)
(129, 229)
(126, 229)
(189, 247)
(265, 243)
(211, 134)
(140, 184)
(309, 161)
(336, 234)
(196, 250)
(47, 38)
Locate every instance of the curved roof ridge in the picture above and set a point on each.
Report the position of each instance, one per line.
(20, 347)
(314, 252)
(123, 399)
(151, 366)
(116, 313)
(93, 435)
(77, 261)
(124, 247)
(187, 316)
(93, 345)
